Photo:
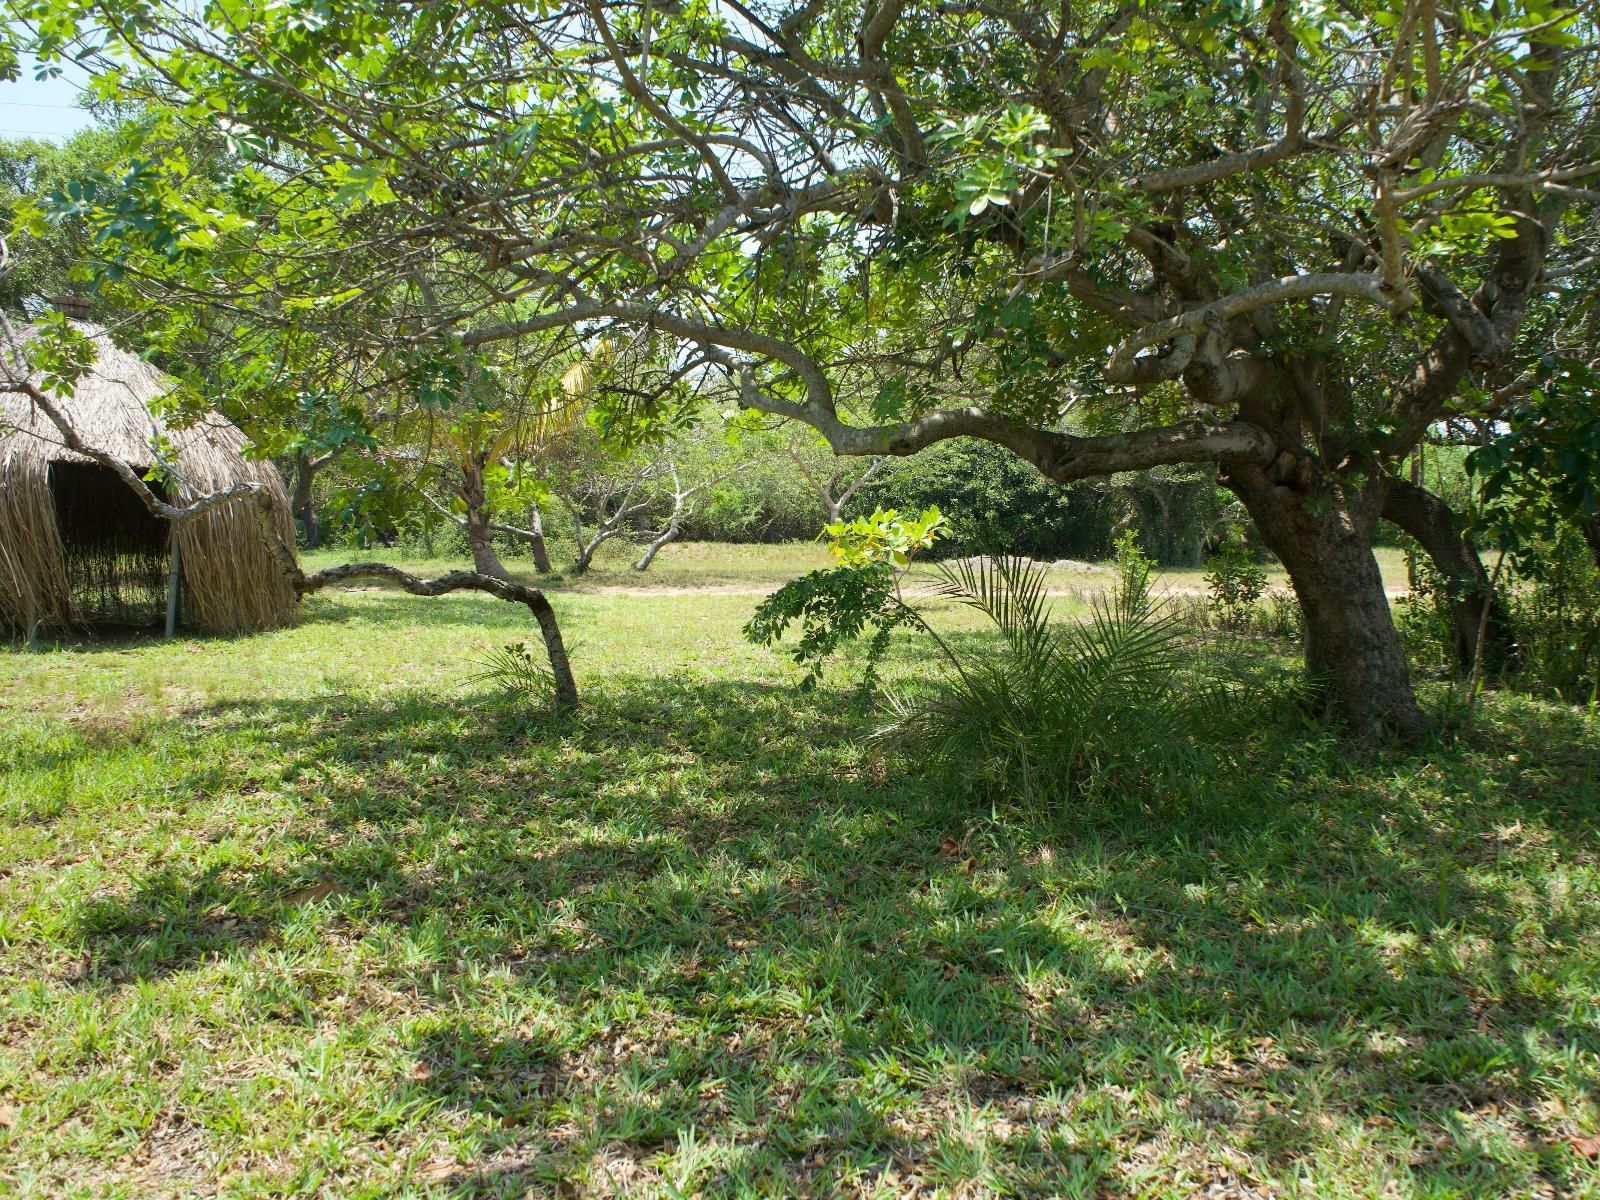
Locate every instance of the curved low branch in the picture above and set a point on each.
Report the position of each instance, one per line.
(566, 688)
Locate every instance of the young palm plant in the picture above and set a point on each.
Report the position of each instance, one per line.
(1061, 712)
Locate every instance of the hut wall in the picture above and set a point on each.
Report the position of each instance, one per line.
(229, 577)
(33, 565)
(232, 585)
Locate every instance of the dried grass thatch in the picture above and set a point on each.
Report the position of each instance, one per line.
(231, 583)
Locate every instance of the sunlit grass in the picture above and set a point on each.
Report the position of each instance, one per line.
(309, 913)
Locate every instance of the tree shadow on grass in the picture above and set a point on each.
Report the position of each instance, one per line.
(698, 939)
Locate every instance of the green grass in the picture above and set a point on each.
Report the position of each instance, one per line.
(308, 914)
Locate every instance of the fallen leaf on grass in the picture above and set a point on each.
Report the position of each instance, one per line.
(317, 891)
(422, 1072)
(1588, 1147)
(8, 1115)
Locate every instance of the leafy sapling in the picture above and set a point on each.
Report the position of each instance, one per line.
(836, 605)
(1236, 581)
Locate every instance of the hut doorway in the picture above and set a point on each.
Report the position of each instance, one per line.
(117, 552)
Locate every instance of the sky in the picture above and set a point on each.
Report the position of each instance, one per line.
(42, 108)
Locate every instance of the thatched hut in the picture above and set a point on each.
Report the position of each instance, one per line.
(78, 548)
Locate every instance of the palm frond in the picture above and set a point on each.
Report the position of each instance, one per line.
(1064, 711)
(1010, 592)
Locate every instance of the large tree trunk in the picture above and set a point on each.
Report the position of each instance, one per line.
(1428, 519)
(1322, 531)
(541, 552)
(479, 535)
(302, 504)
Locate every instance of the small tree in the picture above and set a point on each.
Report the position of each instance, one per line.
(836, 487)
(1237, 581)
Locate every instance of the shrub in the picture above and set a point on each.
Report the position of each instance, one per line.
(1236, 582)
(1281, 616)
(519, 676)
(1061, 713)
(995, 503)
(1555, 612)
(1423, 615)
(836, 605)
(1133, 568)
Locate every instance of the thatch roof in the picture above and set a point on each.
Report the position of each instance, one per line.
(232, 584)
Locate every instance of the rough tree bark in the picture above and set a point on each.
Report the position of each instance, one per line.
(1322, 534)
(480, 531)
(1428, 519)
(302, 504)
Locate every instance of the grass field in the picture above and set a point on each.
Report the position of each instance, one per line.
(312, 913)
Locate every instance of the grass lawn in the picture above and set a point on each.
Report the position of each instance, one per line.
(312, 913)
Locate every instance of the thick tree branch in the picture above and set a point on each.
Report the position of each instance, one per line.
(1124, 367)
(1058, 456)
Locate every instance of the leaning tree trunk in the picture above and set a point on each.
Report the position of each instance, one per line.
(302, 504)
(479, 535)
(669, 534)
(541, 552)
(1428, 519)
(585, 556)
(1322, 531)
